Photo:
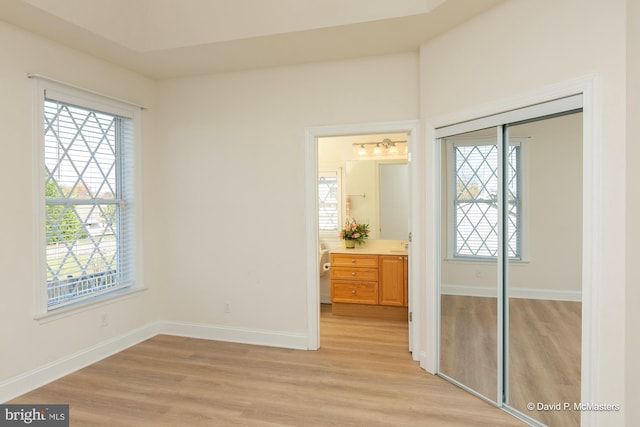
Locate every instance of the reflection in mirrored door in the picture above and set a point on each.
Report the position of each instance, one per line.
(511, 259)
(469, 269)
(543, 280)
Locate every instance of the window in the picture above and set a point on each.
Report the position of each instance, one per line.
(88, 197)
(476, 200)
(328, 203)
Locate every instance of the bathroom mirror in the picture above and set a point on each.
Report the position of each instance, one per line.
(377, 193)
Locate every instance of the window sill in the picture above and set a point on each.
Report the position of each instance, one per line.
(90, 304)
(483, 261)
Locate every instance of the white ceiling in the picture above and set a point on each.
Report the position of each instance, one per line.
(173, 38)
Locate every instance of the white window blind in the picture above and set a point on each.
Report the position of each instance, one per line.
(89, 194)
(476, 201)
(328, 201)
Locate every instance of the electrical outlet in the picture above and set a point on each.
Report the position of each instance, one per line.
(479, 274)
(104, 320)
(227, 307)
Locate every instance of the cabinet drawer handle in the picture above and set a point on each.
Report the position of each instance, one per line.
(353, 292)
(353, 273)
(353, 261)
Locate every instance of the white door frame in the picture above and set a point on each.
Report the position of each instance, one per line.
(411, 127)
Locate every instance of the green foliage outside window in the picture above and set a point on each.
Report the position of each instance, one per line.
(62, 223)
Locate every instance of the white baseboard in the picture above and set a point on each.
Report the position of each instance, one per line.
(23, 383)
(529, 293)
(234, 334)
(424, 363)
(470, 291)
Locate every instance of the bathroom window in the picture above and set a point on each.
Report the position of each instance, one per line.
(88, 227)
(329, 201)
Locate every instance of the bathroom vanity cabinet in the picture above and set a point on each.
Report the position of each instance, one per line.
(366, 284)
(354, 279)
(393, 280)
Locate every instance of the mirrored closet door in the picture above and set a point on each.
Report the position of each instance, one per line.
(543, 282)
(469, 267)
(511, 260)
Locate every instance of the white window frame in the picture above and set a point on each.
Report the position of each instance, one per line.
(337, 172)
(45, 88)
(453, 142)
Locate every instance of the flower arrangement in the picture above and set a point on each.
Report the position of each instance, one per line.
(354, 231)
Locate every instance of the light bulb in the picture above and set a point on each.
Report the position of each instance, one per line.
(362, 151)
(377, 150)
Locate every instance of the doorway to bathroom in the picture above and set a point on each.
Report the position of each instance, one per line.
(358, 171)
(362, 179)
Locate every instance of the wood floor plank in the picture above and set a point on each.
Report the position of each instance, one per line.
(544, 347)
(363, 375)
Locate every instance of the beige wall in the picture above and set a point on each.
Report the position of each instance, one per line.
(233, 170)
(361, 179)
(27, 343)
(632, 297)
(520, 47)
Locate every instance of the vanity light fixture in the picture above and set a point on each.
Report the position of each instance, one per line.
(386, 146)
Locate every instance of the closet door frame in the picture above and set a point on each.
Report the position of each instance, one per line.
(586, 91)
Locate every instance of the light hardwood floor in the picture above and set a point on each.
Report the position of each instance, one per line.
(544, 352)
(362, 376)
(545, 357)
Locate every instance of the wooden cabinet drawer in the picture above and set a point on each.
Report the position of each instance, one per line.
(346, 273)
(348, 260)
(354, 292)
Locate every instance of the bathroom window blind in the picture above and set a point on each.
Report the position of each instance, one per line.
(328, 201)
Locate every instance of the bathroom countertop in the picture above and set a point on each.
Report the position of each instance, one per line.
(374, 247)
